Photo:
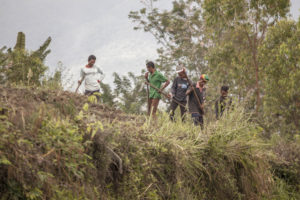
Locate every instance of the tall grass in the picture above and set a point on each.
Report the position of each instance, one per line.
(226, 160)
(53, 153)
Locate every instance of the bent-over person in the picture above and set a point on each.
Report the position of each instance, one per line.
(196, 103)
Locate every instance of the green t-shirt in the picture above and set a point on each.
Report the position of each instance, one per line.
(156, 79)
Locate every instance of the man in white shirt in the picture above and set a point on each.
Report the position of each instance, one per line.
(92, 76)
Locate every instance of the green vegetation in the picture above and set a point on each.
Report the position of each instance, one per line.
(61, 148)
(55, 144)
(20, 66)
(281, 58)
(130, 92)
(250, 46)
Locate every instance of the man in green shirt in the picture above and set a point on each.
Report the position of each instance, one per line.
(156, 79)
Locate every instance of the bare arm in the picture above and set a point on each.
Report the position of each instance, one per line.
(188, 92)
(146, 76)
(165, 85)
(82, 75)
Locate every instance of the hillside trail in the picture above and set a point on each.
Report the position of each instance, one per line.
(25, 101)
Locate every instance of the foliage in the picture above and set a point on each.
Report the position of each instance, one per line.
(36, 161)
(287, 167)
(280, 56)
(55, 82)
(107, 95)
(47, 153)
(236, 30)
(175, 161)
(216, 37)
(43, 51)
(20, 44)
(57, 145)
(3, 59)
(227, 40)
(58, 80)
(180, 32)
(23, 67)
(131, 92)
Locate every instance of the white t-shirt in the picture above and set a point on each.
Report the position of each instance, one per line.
(91, 76)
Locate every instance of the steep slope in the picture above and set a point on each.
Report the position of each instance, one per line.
(58, 145)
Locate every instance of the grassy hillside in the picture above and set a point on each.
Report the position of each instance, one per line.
(58, 145)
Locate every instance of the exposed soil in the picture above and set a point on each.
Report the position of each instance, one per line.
(22, 102)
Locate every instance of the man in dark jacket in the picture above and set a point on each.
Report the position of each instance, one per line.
(178, 93)
(196, 103)
(223, 102)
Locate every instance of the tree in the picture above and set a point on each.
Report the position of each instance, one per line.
(22, 66)
(43, 51)
(107, 95)
(180, 32)
(237, 29)
(54, 81)
(219, 37)
(3, 59)
(280, 56)
(130, 92)
(20, 44)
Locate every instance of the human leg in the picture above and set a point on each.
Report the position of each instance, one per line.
(183, 111)
(197, 119)
(173, 107)
(154, 106)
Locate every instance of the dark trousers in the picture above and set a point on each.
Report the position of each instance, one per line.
(198, 119)
(89, 93)
(174, 106)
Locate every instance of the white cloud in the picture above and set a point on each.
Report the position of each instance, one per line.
(295, 8)
(83, 27)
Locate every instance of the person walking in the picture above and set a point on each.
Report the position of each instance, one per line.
(196, 103)
(178, 93)
(92, 76)
(156, 79)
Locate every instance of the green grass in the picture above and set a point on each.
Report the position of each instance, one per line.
(59, 156)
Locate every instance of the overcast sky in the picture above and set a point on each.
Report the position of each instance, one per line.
(82, 27)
